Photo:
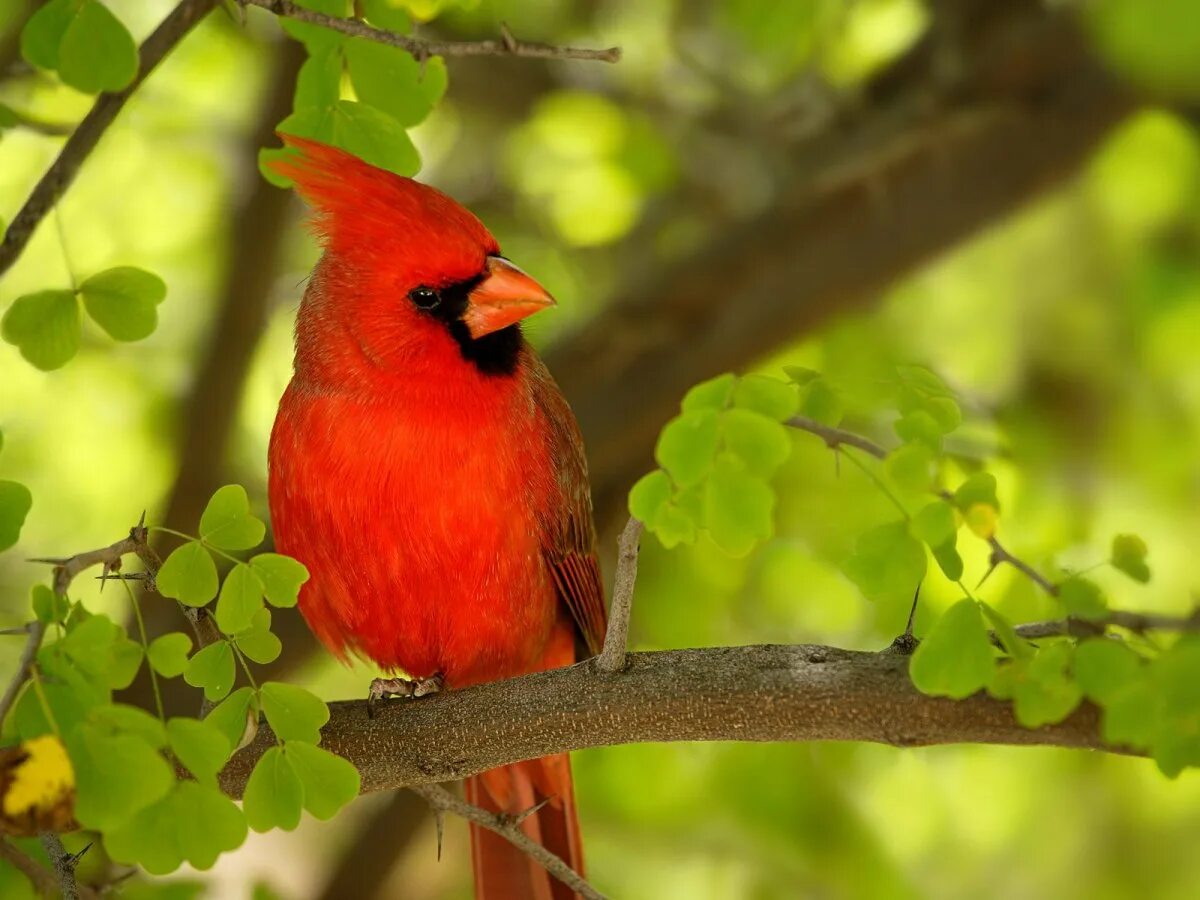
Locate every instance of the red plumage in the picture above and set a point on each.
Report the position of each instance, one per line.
(426, 469)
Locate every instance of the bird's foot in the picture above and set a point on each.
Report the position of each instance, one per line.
(409, 688)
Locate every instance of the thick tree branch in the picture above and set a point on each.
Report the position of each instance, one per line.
(755, 693)
(84, 139)
(508, 827)
(424, 49)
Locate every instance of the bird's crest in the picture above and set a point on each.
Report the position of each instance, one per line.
(361, 208)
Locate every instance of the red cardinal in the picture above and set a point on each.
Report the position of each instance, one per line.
(426, 469)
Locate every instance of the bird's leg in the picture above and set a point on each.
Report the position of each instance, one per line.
(383, 688)
(431, 685)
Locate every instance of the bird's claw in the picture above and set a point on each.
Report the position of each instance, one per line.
(409, 688)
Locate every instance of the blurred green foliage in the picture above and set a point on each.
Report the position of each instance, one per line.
(1068, 333)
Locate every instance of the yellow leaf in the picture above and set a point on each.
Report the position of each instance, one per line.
(38, 786)
(981, 519)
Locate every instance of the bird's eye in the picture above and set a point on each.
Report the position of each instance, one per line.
(424, 298)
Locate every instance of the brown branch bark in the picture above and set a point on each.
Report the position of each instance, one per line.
(928, 160)
(424, 49)
(83, 140)
(755, 693)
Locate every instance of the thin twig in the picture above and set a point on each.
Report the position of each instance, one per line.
(838, 437)
(37, 631)
(423, 49)
(84, 139)
(64, 864)
(616, 637)
(43, 880)
(1137, 622)
(509, 829)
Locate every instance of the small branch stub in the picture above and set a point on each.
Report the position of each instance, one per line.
(616, 637)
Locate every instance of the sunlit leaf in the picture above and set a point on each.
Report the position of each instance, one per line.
(274, 795)
(738, 507)
(956, 658)
(227, 522)
(189, 575)
(1129, 556)
(15, 503)
(97, 52)
(329, 781)
(293, 712)
(281, 577)
(168, 653)
(44, 326)
(124, 301)
(687, 446)
(212, 668)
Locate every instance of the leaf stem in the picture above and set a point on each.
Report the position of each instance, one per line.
(141, 623)
(879, 483)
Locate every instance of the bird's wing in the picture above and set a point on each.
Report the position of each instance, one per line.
(570, 544)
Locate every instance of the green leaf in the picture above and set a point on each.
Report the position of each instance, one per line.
(329, 781)
(227, 523)
(910, 466)
(919, 427)
(70, 693)
(124, 301)
(389, 79)
(148, 838)
(241, 597)
(281, 576)
(97, 52)
(1013, 644)
(200, 746)
(15, 503)
(359, 129)
(235, 716)
(44, 327)
(759, 442)
(1040, 686)
(1082, 598)
(115, 776)
(818, 401)
(738, 507)
(714, 394)
(948, 560)
(189, 575)
(956, 658)
(934, 524)
(101, 649)
(888, 563)
(390, 16)
(980, 488)
(650, 497)
(675, 526)
(318, 84)
(122, 719)
(687, 446)
(1106, 668)
(801, 375)
(193, 823)
(259, 643)
(316, 37)
(772, 397)
(1129, 556)
(274, 795)
(43, 33)
(168, 653)
(1176, 676)
(213, 669)
(207, 823)
(293, 713)
(48, 606)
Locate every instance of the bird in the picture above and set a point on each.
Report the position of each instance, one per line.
(427, 470)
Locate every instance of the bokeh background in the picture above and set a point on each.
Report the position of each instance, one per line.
(1007, 192)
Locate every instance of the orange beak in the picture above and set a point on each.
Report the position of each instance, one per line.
(506, 295)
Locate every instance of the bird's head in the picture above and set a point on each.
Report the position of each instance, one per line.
(409, 275)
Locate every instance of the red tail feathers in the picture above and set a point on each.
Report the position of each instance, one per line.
(502, 872)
